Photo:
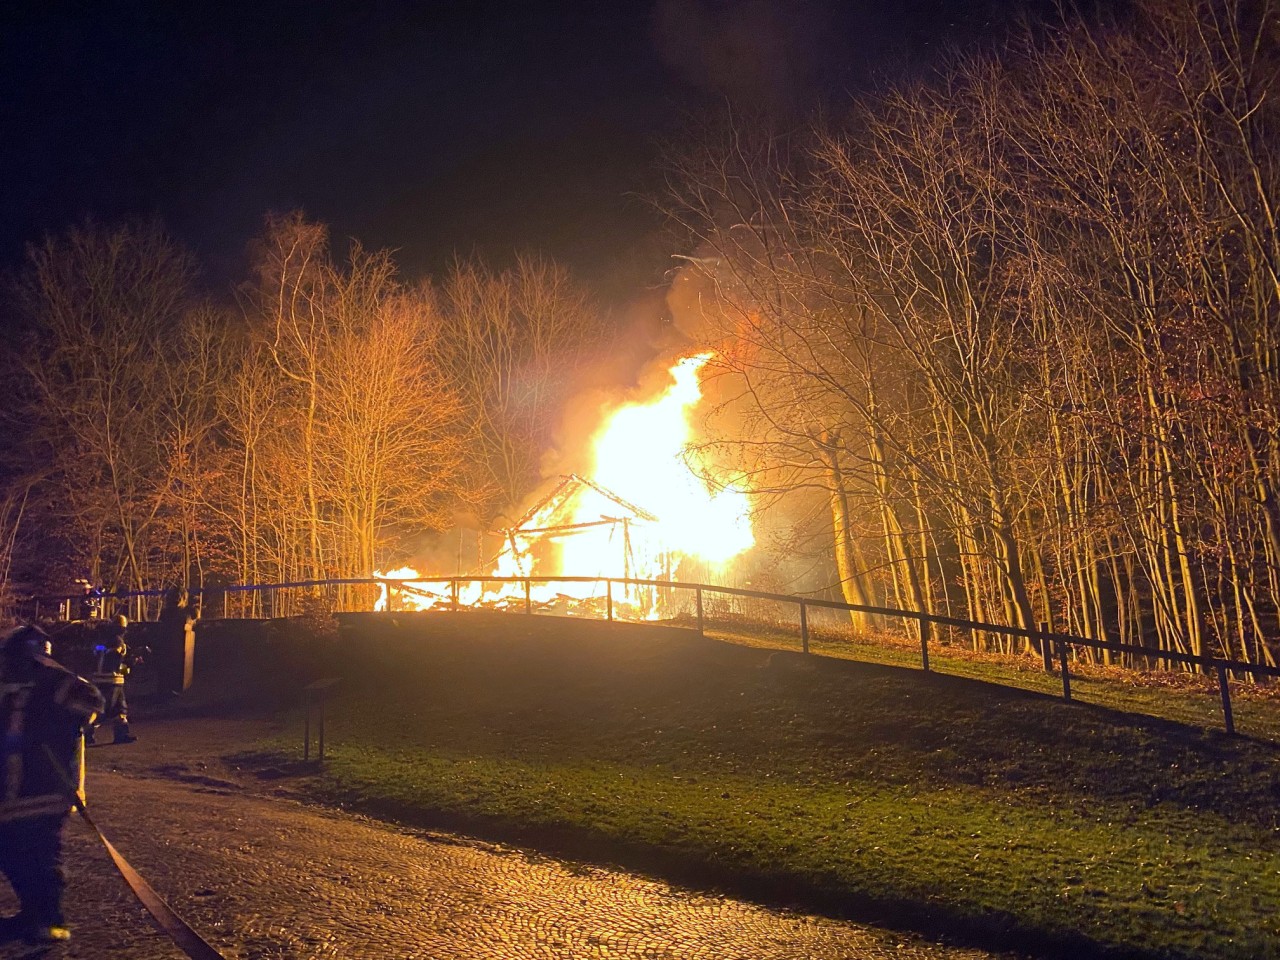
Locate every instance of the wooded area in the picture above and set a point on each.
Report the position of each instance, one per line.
(1016, 323)
(334, 412)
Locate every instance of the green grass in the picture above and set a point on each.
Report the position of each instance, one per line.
(940, 802)
(1175, 695)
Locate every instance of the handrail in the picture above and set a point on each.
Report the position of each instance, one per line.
(958, 622)
(1060, 641)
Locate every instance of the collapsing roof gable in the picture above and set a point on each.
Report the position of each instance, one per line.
(554, 513)
(559, 515)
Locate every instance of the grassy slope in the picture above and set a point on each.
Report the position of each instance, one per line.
(942, 802)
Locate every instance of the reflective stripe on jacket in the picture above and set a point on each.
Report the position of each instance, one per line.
(112, 668)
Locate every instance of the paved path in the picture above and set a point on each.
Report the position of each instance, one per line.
(268, 878)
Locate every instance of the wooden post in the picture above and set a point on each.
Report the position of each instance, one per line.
(453, 584)
(528, 596)
(804, 627)
(608, 588)
(1066, 673)
(1225, 690)
(315, 696)
(698, 598)
(1045, 654)
(320, 756)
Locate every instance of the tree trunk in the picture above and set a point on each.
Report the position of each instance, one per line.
(853, 586)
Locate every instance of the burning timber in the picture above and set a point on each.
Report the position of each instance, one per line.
(585, 529)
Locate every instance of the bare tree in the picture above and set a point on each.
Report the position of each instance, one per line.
(101, 304)
(513, 342)
(353, 431)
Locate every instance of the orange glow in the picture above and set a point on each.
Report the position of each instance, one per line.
(640, 454)
(642, 511)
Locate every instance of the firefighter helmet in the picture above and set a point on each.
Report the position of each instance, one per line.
(24, 642)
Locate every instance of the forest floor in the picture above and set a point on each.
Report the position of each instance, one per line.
(993, 814)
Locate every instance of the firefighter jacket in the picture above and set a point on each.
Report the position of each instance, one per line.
(113, 665)
(43, 708)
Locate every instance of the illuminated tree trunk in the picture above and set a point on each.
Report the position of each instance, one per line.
(897, 544)
(849, 563)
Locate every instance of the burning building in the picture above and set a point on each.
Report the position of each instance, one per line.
(644, 507)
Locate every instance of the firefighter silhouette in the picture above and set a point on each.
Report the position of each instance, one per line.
(43, 708)
(114, 664)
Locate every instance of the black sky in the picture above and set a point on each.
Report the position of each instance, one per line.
(433, 128)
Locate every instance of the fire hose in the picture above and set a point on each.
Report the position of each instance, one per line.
(172, 925)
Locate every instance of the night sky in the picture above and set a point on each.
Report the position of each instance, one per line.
(433, 128)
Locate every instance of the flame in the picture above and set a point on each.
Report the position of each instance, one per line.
(419, 595)
(649, 504)
(640, 453)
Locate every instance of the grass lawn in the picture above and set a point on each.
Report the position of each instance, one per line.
(1000, 816)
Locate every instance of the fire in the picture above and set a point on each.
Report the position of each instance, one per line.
(647, 506)
(417, 591)
(640, 454)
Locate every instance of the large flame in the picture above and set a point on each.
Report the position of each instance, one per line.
(642, 453)
(649, 503)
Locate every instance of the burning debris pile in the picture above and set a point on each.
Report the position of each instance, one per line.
(645, 508)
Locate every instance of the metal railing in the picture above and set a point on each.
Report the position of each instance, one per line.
(344, 595)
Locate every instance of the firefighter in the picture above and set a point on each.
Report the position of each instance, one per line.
(114, 664)
(43, 709)
(90, 600)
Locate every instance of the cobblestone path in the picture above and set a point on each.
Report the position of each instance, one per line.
(266, 877)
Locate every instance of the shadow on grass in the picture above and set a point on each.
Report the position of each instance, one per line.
(1037, 740)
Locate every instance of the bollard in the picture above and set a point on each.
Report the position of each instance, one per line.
(608, 588)
(528, 596)
(698, 596)
(804, 627)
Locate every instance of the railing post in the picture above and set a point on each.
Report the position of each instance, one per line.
(1045, 653)
(804, 627)
(608, 589)
(924, 645)
(698, 598)
(1066, 673)
(1225, 690)
(528, 596)
(454, 593)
